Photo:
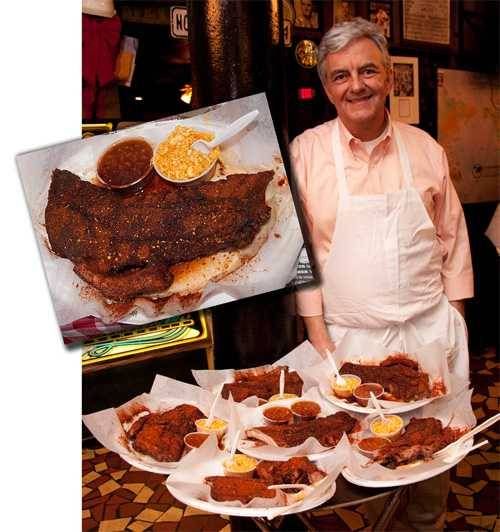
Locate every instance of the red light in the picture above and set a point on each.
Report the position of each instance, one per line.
(306, 93)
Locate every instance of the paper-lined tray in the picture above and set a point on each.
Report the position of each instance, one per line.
(256, 149)
(109, 428)
(357, 349)
(455, 412)
(187, 483)
(311, 447)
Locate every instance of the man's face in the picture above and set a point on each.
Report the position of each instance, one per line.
(307, 8)
(357, 83)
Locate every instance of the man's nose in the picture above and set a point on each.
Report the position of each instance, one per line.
(357, 83)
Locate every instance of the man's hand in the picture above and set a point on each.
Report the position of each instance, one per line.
(317, 333)
(460, 306)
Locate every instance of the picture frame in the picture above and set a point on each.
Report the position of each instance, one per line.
(307, 14)
(404, 95)
(381, 14)
(343, 11)
(428, 23)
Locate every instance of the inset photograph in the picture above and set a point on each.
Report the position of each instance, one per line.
(164, 218)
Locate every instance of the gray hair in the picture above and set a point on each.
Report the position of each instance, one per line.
(340, 35)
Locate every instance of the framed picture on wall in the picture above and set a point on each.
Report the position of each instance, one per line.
(404, 100)
(306, 14)
(343, 10)
(381, 14)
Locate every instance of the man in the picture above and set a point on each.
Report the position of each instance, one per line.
(385, 221)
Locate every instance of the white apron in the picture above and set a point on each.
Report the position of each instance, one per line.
(382, 276)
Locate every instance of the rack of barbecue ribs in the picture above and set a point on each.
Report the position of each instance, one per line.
(297, 470)
(401, 377)
(420, 440)
(327, 430)
(262, 385)
(161, 435)
(125, 244)
(241, 489)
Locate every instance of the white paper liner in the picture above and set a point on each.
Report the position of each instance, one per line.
(207, 461)
(255, 149)
(455, 411)
(311, 447)
(303, 356)
(166, 393)
(358, 349)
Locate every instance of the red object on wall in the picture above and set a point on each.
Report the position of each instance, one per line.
(100, 47)
(306, 93)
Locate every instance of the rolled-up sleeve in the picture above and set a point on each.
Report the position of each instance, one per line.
(458, 279)
(309, 300)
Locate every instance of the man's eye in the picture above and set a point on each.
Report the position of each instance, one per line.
(369, 71)
(338, 78)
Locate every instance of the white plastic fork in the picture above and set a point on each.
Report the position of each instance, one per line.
(461, 452)
(482, 426)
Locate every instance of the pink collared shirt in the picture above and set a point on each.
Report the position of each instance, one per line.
(378, 173)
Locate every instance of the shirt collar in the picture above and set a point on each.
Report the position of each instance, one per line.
(349, 140)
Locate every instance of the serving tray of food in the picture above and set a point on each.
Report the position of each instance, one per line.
(400, 381)
(206, 479)
(414, 446)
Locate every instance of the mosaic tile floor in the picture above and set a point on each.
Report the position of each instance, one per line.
(117, 496)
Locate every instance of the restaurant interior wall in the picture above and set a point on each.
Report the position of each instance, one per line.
(163, 66)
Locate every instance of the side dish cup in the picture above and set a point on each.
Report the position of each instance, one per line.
(125, 163)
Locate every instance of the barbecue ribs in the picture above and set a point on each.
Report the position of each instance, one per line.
(401, 377)
(238, 489)
(262, 385)
(421, 439)
(327, 430)
(297, 470)
(161, 435)
(113, 238)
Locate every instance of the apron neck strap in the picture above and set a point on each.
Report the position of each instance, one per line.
(338, 158)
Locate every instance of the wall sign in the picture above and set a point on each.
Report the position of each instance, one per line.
(404, 101)
(178, 22)
(427, 21)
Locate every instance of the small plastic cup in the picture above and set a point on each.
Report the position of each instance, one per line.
(344, 391)
(217, 426)
(240, 465)
(305, 410)
(390, 428)
(193, 440)
(362, 392)
(369, 446)
(278, 415)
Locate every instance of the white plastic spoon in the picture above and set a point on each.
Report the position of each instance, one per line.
(282, 382)
(212, 408)
(377, 406)
(234, 444)
(231, 130)
(338, 376)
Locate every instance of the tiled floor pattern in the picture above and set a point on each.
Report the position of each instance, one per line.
(117, 496)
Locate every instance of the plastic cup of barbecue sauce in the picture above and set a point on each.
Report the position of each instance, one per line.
(125, 163)
(193, 440)
(362, 392)
(305, 410)
(369, 446)
(278, 415)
